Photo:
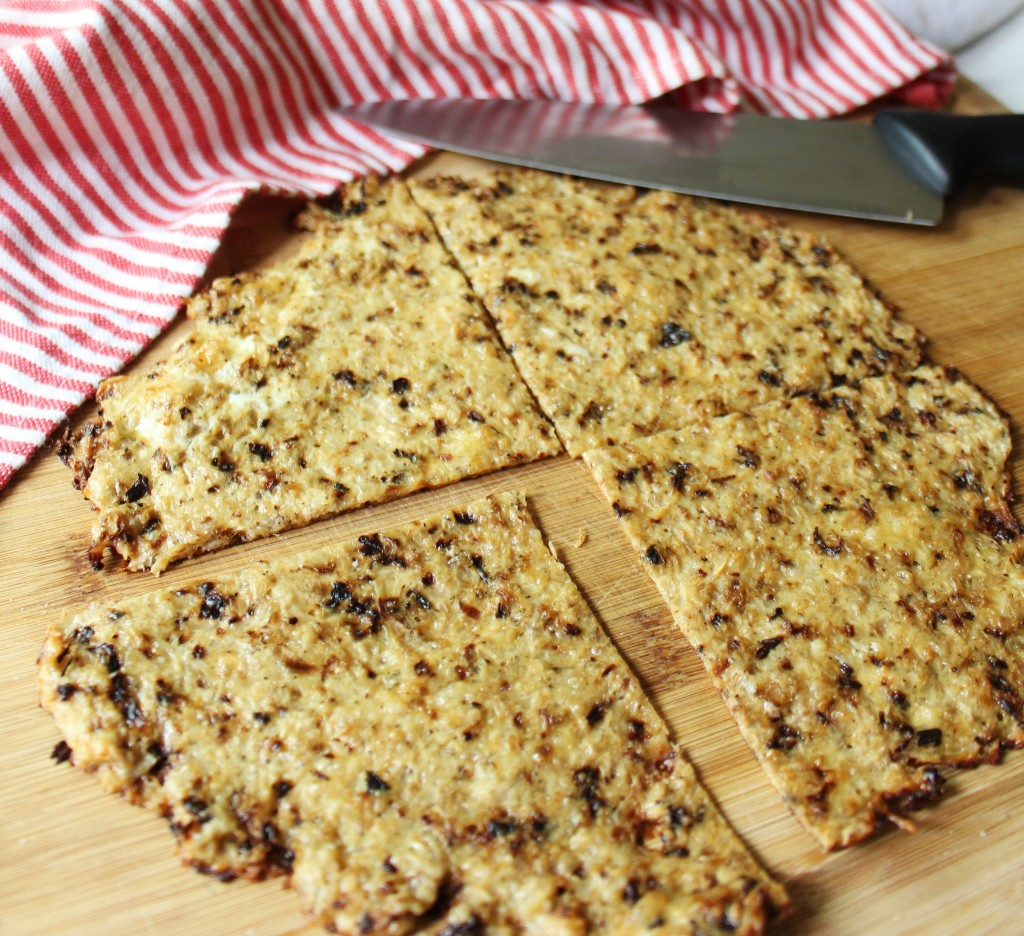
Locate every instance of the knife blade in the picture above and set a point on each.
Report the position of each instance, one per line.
(893, 170)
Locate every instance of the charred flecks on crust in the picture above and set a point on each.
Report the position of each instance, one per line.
(213, 603)
(912, 521)
(586, 781)
(340, 593)
(785, 738)
(263, 452)
(231, 820)
(224, 875)
(138, 490)
(354, 199)
(653, 555)
(829, 549)
(966, 481)
(122, 696)
(929, 737)
(502, 828)
(108, 654)
(477, 561)
(514, 286)
(748, 457)
(847, 678)
(473, 926)
(273, 341)
(672, 334)
(78, 451)
(199, 808)
(95, 555)
(381, 550)
(223, 464)
(764, 647)
(371, 545)
(371, 612)
(930, 791)
(678, 472)
(279, 860)
(1001, 525)
(420, 599)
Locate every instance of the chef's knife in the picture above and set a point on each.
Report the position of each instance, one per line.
(900, 168)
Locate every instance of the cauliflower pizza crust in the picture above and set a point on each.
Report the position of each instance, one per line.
(426, 729)
(632, 312)
(848, 569)
(356, 371)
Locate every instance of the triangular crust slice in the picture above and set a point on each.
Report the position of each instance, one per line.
(426, 728)
(633, 312)
(848, 569)
(356, 371)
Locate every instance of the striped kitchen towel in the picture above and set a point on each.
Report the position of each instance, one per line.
(130, 129)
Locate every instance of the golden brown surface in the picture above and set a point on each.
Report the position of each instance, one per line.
(849, 571)
(425, 728)
(355, 371)
(629, 313)
(76, 861)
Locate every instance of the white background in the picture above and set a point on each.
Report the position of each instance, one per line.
(996, 62)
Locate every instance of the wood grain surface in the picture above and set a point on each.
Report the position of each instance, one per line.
(76, 861)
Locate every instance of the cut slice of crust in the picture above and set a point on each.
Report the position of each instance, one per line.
(629, 313)
(424, 728)
(358, 370)
(849, 571)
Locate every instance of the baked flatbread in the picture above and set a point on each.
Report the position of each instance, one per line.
(357, 371)
(849, 571)
(629, 313)
(425, 728)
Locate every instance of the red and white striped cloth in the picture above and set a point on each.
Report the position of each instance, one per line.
(130, 129)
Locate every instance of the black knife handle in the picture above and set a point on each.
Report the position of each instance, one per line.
(944, 152)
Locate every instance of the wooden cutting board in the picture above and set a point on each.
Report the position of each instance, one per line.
(76, 861)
